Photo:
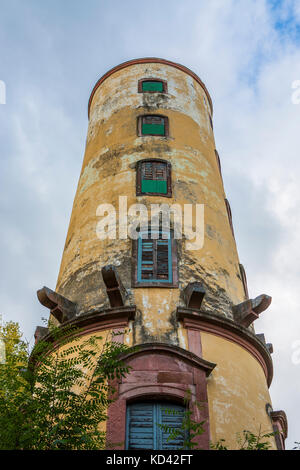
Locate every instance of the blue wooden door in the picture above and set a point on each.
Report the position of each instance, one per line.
(143, 430)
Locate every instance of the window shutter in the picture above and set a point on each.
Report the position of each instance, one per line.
(140, 426)
(143, 430)
(152, 85)
(147, 264)
(173, 418)
(162, 251)
(154, 177)
(153, 125)
(155, 260)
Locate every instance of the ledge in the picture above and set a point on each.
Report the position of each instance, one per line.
(149, 60)
(110, 318)
(228, 329)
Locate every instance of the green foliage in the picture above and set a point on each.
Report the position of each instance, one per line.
(13, 386)
(190, 428)
(57, 397)
(247, 441)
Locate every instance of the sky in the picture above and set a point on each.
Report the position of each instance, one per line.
(247, 52)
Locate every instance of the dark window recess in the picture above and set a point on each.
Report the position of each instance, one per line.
(244, 280)
(153, 125)
(228, 209)
(211, 123)
(152, 85)
(218, 162)
(154, 178)
(144, 428)
(155, 260)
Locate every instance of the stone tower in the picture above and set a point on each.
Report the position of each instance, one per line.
(184, 301)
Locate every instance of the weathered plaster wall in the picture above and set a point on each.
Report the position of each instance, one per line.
(237, 391)
(108, 171)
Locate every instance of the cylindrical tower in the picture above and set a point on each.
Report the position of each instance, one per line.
(185, 302)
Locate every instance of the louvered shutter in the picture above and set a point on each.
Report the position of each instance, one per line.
(140, 426)
(154, 259)
(143, 430)
(153, 125)
(171, 415)
(147, 263)
(162, 253)
(154, 177)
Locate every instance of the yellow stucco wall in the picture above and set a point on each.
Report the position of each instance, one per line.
(108, 171)
(237, 391)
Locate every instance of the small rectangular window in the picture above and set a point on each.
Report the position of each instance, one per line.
(152, 85)
(153, 125)
(156, 260)
(154, 178)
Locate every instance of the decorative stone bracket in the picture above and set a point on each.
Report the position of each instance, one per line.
(40, 332)
(193, 295)
(280, 425)
(247, 312)
(61, 308)
(115, 290)
(262, 338)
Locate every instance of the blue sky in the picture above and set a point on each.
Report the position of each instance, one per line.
(248, 54)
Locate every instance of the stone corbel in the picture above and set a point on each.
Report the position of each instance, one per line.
(193, 295)
(115, 290)
(40, 332)
(262, 338)
(60, 307)
(247, 312)
(280, 425)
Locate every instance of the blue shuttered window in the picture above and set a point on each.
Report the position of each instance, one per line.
(154, 259)
(143, 430)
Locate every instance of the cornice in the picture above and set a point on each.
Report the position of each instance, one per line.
(228, 329)
(98, 320)
(163, 348)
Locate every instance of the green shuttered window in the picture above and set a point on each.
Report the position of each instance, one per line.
(143, 430)
(153, 125)
(154, 178)
(152, 85)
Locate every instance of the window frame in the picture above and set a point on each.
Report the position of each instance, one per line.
(139, 177)
(140, 122)
(142, 80)
(157, 408)
(173, 263)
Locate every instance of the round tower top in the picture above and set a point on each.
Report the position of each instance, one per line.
(146, 60)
